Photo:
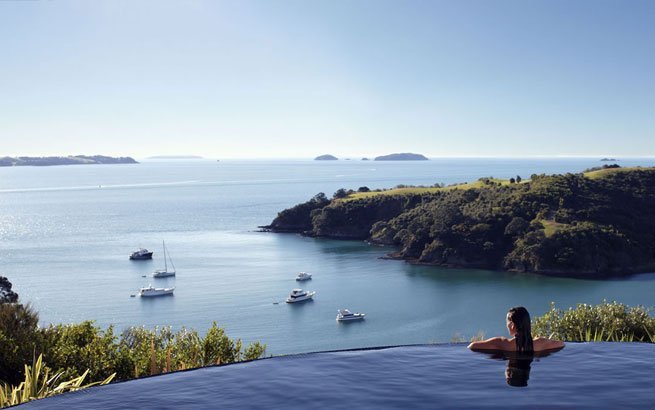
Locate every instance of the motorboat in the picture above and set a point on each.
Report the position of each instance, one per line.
(303, 276)
(151, 291)
(345, 315)
(163, 273)
(299, 295)
(141, 254)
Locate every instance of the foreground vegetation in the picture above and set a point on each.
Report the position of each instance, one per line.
(606, 322)
(38, 384)
(597, 223)
(84, 351)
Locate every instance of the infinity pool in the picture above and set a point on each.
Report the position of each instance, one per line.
(582, 375)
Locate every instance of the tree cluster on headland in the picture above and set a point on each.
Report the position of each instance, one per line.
(597, 223)
(69, 160)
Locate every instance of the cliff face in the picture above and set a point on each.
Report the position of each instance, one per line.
(298, 218)
(355, 219)
(561, 224)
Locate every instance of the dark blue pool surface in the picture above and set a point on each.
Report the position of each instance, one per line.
(582, 375)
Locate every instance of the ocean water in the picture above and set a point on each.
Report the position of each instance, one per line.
(66, 233)
(581, 376)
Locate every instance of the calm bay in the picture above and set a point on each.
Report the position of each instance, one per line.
(66, 233)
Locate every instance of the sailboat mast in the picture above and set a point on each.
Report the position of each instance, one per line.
(165, 264)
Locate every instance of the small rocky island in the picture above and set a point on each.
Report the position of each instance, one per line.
(406, 156)
(594, 224)
(70, 160)
(326, 157)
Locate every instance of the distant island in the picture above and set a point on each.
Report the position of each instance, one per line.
(326, 157)
(175, 157)
(594, 224)
(402, 157)
(609, 159)
(70, 160)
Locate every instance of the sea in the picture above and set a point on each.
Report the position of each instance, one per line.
(66, 233)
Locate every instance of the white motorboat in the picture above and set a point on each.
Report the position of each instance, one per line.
(299, 295)
(345, 314)
(151, 291)
(163, 273)
(141, 254)
(303, 276)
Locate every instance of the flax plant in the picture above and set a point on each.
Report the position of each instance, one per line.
(38, 384)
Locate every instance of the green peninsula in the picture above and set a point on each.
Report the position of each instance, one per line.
(69, 160)
(594, 224)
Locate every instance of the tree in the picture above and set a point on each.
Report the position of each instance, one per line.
(6, 294)
(19, 340)
(320, 198)
(512, 180)
(340, 193)
(518, 178)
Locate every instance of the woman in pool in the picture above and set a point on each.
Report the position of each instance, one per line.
(518, 326)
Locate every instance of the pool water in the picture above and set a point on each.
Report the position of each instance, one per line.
(582, 375)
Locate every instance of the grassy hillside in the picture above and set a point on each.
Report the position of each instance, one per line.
(595, 223)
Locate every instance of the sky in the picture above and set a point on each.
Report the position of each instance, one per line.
(297, 79)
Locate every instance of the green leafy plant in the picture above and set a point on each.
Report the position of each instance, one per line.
(39, 384)
(607, 321)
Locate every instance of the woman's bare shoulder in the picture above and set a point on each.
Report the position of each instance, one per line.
(544, 343)
(495, 343)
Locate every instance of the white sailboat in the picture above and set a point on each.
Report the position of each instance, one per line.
(163, 273)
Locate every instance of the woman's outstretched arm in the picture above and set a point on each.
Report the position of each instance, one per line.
(543, 343)
(495, 343)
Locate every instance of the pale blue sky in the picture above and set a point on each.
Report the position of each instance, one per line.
(352, 78)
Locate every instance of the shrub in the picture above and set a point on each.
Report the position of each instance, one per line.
(604, 322)
(161, 350)
(85, 348)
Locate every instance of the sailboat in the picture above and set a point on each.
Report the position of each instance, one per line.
(163, 273)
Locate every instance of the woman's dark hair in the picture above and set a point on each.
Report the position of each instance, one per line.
(521, 319)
